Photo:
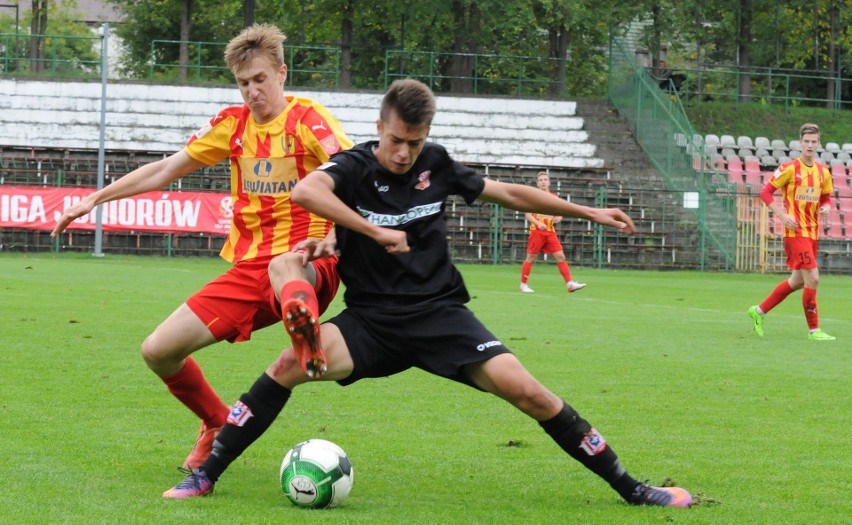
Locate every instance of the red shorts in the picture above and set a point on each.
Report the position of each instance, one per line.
(801, 252)
(241, 300)
(543, 241)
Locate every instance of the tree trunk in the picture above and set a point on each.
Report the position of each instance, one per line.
(38, 28)
(558, 52)
(833, 62)
(744, 50)
(346, 46)
(185, 29)
(465, 44)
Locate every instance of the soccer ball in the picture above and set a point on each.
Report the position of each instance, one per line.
(316, 474)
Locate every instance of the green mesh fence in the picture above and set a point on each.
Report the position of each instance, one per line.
(661, 127)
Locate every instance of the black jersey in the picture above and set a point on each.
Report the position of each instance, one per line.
(413, 202)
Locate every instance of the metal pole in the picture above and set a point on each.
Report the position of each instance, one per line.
(99, 232)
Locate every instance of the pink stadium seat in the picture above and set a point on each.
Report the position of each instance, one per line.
(843, 191)
(833, 228)
(753, 175)
(735, 170)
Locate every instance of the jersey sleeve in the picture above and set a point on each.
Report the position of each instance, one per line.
(211, 144)
(344, 169)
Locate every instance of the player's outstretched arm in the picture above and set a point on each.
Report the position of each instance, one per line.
(150, 177)
(529, 199)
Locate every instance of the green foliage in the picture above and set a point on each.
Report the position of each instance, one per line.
(665, 365)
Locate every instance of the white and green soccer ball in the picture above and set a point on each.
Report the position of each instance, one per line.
(316, 474)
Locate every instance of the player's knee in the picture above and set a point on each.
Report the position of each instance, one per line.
(156, 355)
(283, 267)
(533, 399)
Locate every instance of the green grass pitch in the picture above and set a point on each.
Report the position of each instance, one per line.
(665, 365)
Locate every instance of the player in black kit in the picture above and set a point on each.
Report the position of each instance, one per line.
(405, 300)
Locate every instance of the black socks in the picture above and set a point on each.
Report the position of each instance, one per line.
(582, 442)
(248, 420)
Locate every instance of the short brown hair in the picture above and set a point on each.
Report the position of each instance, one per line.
(808, 129)
(258, 40)
(411, 99)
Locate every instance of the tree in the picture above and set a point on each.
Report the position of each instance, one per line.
(38, 28)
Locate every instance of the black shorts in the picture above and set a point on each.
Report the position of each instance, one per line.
(439, 339)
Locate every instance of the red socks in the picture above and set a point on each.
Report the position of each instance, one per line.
(778, 294)
(810, 305)
(304, 291)
(193, 390)
(565, 270)
(526, 268)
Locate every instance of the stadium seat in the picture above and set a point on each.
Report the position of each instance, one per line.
(794, 153)
(710, 150)
(735, 170)
(768, 161)
(729, 152)
(762, 143)
(710, 138)
(832, 147)
(783, 159)
(779, 144)
(753, 174)
(843, 156)
(779, 154)
(761, 152)
(838, 170)
(843, 191)
(826, 157)
(833, 227)
(745, 142)
(847, 147)
(745, 152)
(727, 141)
(680, 139)
(795, 145)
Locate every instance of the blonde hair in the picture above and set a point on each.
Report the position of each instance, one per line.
(808, 129)
(258, 40)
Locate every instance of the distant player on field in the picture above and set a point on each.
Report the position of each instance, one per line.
(806, 188)
(272, 141)
(543, 238)
(405, 300)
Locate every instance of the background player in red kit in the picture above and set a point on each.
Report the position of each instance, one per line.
(272, 141)
(543, 238)
(806, 188)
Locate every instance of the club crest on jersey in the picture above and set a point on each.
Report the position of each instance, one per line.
(288, 144)
(423, 179)
(593, 443)
(330, 144)
(239, 414)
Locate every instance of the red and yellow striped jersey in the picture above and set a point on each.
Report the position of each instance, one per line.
(266, 163)
(801, 188)
(546, 219)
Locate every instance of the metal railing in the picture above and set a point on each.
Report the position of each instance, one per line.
(521, 76)
(65, 56)
(766, 86)
(308, 66)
